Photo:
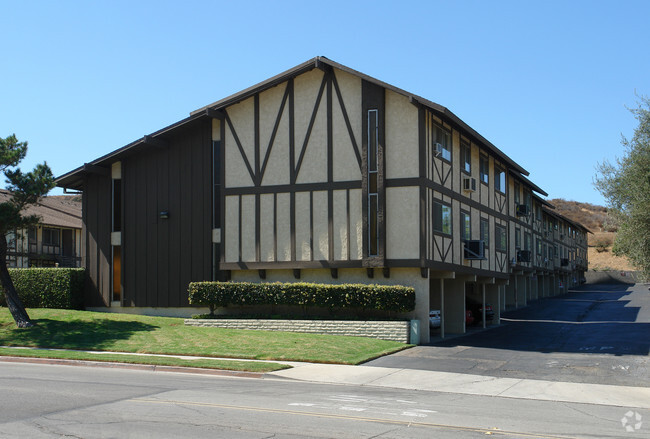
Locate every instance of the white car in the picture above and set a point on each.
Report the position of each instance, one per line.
(434, 318)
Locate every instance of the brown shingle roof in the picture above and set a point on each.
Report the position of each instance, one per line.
(57, 210)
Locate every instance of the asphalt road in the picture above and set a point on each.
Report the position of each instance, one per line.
(596, 334)
(46, 401)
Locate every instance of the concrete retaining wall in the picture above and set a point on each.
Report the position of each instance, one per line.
(605, 277)
(386, 330)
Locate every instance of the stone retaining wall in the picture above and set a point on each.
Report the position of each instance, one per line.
(386, 330)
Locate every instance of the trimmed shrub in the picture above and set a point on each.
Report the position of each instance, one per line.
(48, 287)
(389, 298)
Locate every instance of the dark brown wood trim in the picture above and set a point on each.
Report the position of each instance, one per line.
(390, 263)
(303, 187)
(240, 228)
(258, 228)
(275, 227)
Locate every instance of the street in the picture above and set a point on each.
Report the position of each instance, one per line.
(65, 401)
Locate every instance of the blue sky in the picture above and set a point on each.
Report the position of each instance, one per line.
(547, 82)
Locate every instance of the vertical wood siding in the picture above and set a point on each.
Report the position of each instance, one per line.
(162, 256)
(96, 233)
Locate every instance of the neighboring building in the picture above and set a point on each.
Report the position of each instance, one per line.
(321, 174)
(55, 241)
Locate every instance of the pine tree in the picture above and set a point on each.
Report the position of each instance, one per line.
(26, 189)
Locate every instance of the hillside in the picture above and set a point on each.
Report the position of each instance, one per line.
(603, 232)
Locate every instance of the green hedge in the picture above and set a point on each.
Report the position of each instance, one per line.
(343, 296)
(48, 287)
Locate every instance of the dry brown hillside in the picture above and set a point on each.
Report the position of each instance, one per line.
(603, 232)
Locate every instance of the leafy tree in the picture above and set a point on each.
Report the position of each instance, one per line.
(26, 189)
(626, 186)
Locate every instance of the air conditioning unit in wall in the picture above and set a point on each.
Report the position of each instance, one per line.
(474, 250)
(523, 210)
(523, 256)
(469, 184)
(437, 149)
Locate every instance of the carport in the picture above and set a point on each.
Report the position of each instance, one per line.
(447, 293)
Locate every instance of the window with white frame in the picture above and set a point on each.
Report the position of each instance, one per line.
(442, 137)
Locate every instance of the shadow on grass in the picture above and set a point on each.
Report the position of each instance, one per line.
(74, 334)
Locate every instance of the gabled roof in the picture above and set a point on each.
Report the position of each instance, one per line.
(59, 210)
(74, 179)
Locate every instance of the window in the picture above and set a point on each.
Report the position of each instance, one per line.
(441, 218)
(517, 239)
(499, 179)
(32, 240)
(484, 168)
(51, 241)
(442, 137)
(117, 205)
(373, 195)
(539, 246)
(527, 241)
(527, 201)
(465, 226)
(467, 156)
(538, 212)
(500, 238)
(517, 199)
(11, 249)
(485, 231)
(51, 236)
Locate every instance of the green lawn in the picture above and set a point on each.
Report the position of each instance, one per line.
(84, 330)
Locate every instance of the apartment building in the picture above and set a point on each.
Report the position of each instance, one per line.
(54, 242)
(321, 174)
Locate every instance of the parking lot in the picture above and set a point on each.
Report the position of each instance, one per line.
(594, 334)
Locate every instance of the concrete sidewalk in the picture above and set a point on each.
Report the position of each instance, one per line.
(410, 379)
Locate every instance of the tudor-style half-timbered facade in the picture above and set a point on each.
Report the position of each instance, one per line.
(320, 174)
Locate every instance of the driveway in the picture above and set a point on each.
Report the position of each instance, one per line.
(594, 334)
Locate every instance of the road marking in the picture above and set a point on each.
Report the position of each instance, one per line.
(352, 418)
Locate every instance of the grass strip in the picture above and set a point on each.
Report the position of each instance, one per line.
(234, 365)
(95, 331)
